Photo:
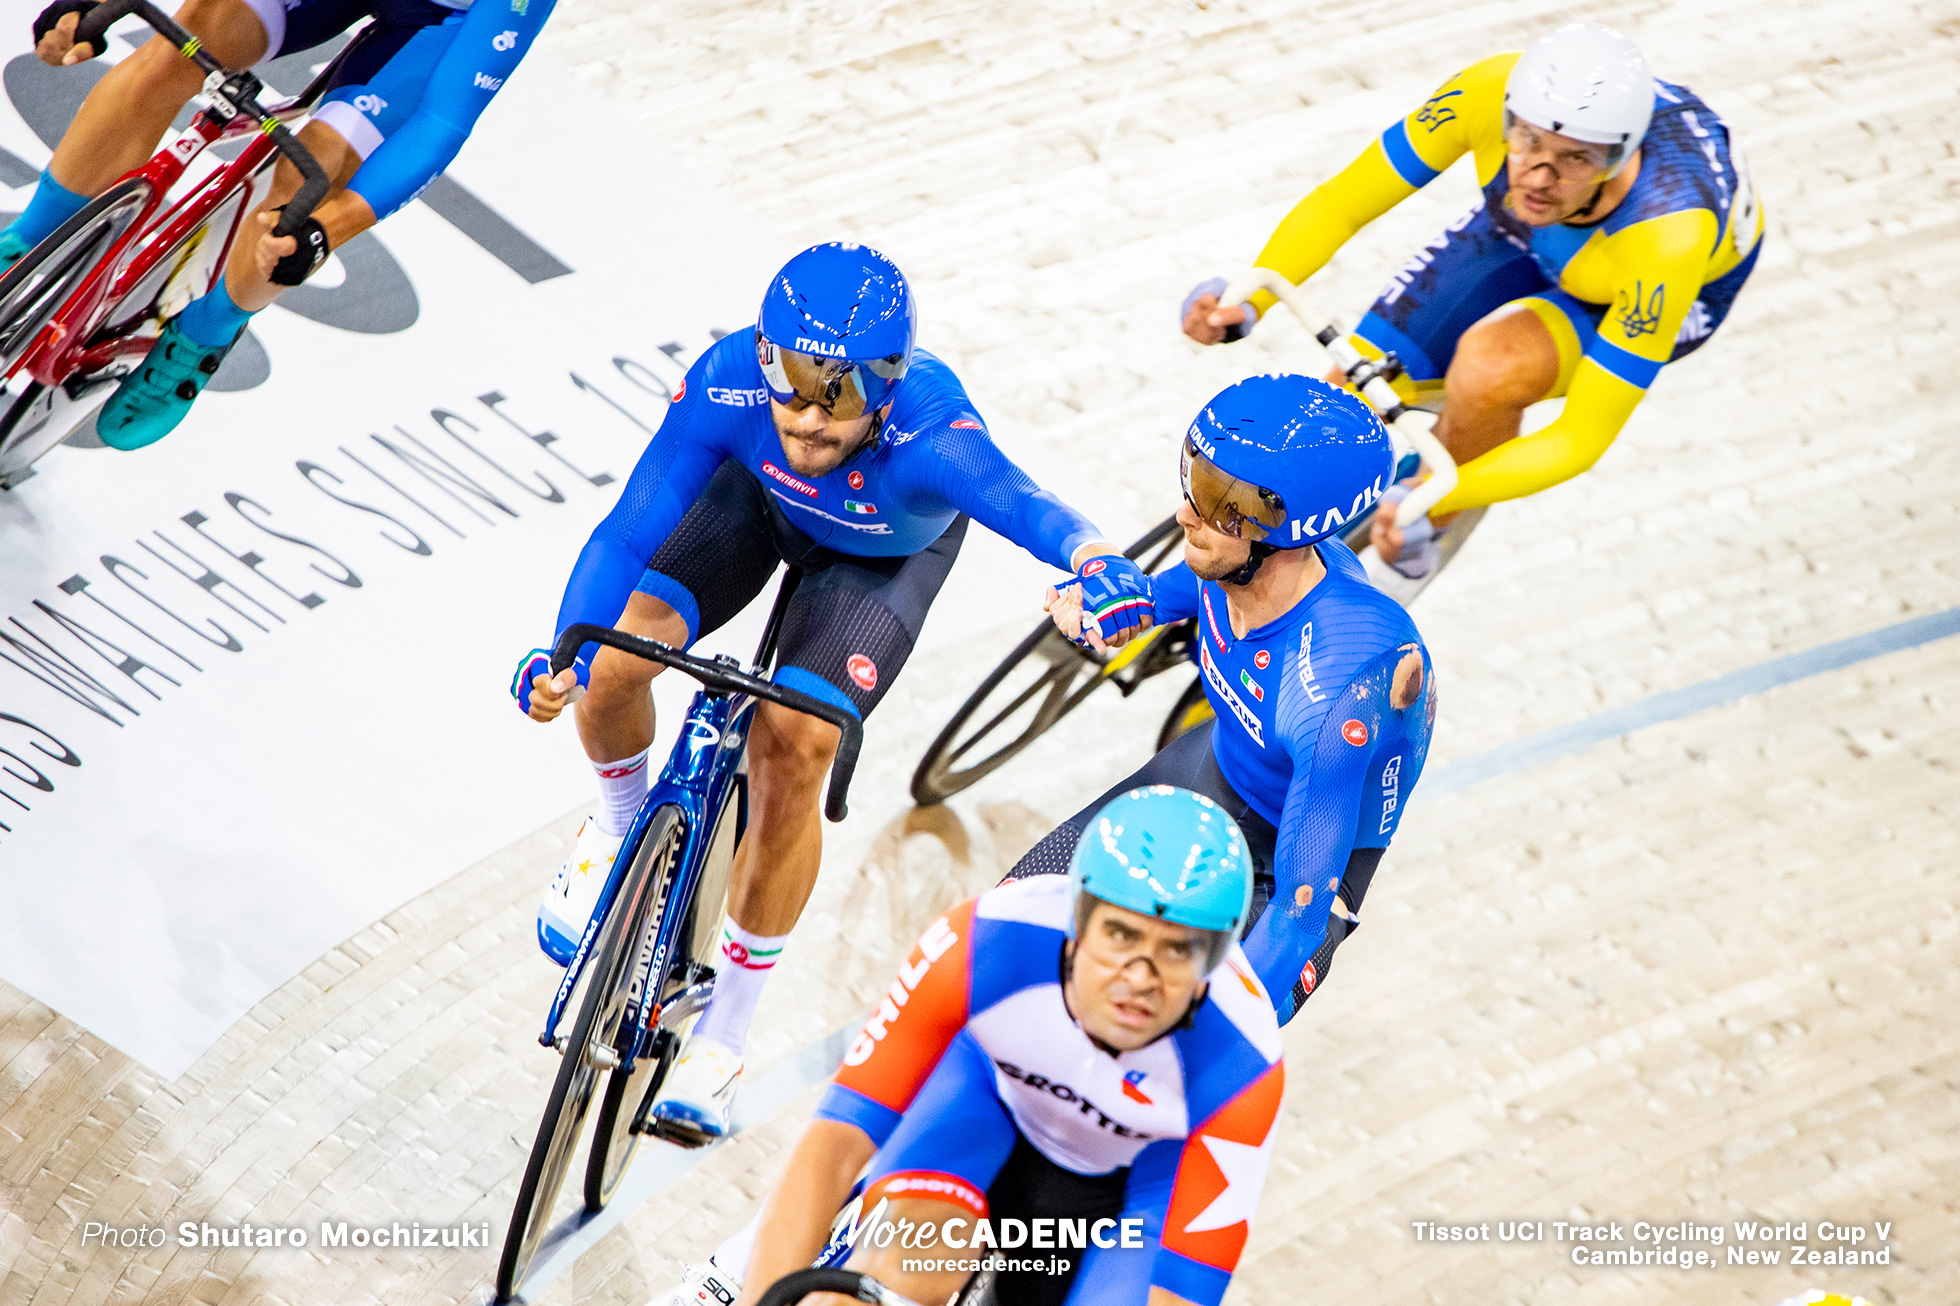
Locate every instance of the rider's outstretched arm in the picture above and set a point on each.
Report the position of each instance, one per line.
(814, 1187)
(493, 39)
(1454, 121)
(682, 456)
(1660, 263)
(972, 475)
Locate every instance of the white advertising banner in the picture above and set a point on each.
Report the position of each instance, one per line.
(253, 678)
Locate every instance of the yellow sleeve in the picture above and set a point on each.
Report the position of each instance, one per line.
(1465, 114)
(1660, 263)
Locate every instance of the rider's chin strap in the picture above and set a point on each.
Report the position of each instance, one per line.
(1585, 210)
(1257, 554)
(871, 440)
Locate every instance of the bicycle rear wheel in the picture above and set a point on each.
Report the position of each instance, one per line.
(593, 1044)
(1040, 682)
(1191, 711)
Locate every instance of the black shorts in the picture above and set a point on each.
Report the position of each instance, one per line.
(852, 622)
(1187, 763)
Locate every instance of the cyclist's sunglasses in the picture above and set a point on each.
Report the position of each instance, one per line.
(843, 389)
(1238, 508)
(1574, 160)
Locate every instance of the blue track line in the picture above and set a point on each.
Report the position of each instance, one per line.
(1561, 741)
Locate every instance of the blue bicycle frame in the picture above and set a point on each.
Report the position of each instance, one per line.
(705, 763)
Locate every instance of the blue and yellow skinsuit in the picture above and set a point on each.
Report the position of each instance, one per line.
(1621, 296)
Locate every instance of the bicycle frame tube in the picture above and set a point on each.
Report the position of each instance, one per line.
(697, 777)
(63, 348)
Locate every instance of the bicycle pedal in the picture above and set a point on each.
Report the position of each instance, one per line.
(666, 1131)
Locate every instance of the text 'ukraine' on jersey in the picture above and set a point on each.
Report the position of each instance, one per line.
(933, 460)
(1198, 1105)
(1312, 734)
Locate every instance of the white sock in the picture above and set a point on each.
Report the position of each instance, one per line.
(622, 787)
(732, 1257)
(746, 960)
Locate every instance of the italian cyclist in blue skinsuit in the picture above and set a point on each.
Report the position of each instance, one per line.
(401, 106)
(1321, 685)
(821, 438)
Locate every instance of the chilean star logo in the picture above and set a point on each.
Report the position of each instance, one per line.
(1132, 1089)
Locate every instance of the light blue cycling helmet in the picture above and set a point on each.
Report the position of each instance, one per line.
(1283, 461)
(836, 329)
(1170, 853)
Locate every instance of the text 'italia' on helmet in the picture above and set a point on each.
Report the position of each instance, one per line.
(836, 330)
(1283, 461)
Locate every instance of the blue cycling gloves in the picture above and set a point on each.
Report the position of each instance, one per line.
(538, 663)
(1115, 597)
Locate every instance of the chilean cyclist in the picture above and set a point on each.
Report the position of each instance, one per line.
(1322, 688)
(1616, 226)
(1089, 1049)
(400, 108)
(821, 438)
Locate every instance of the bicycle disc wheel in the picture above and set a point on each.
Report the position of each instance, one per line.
(1192, 710)
(1040, 682)
(33, 290)
(613, 1141)
(597, 1027)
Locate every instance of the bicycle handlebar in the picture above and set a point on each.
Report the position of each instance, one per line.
(236, 91)
(794, 1287)
(729, 679)
(1412, 424)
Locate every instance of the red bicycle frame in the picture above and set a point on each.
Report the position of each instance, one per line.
(63, 349)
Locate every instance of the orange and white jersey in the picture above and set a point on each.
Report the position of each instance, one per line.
(1191, 1115)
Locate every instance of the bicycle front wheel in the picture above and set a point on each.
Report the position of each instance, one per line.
(33, 290)
(592, 1047)
(614, 1138)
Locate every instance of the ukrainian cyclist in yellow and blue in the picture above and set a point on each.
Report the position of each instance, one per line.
(1616, 226)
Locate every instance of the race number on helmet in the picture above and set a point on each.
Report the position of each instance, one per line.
(1587, 82)
(1285, 460)
(836, 330)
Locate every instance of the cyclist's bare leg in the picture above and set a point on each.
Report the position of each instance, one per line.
(342, 214)
(615, 718)
(776, 866)
(1503, 365)
(126, 114)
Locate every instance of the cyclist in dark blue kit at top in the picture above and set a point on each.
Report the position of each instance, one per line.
(823, 439)
(1321, 685)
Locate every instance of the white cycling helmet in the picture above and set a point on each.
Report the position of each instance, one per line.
(1587, 82)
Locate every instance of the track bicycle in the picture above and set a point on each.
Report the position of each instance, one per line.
(1046, 676)
(794, 1287)
(81, 309)
(646, 956)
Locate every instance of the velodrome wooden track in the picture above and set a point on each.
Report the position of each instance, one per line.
(1706, 972)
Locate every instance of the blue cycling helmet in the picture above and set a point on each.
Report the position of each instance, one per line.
(1284, 461)
(1170, 853)
(836, 329)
